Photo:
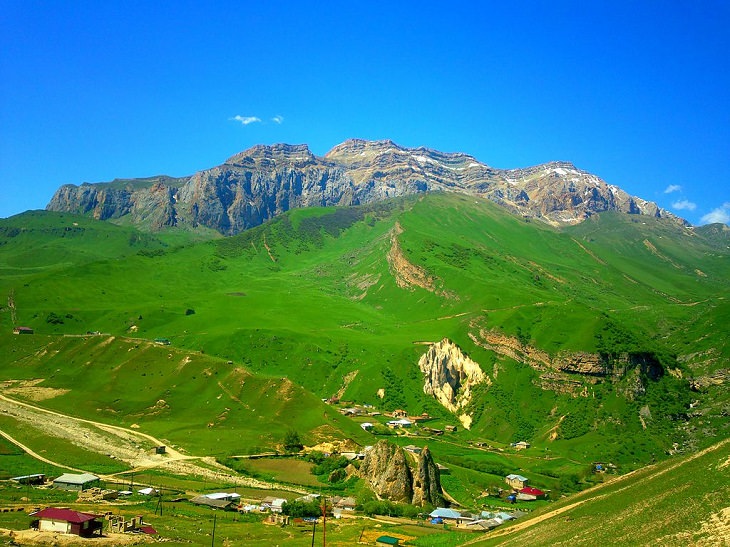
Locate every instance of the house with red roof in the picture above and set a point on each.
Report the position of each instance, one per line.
(530, 494)
(66, 521)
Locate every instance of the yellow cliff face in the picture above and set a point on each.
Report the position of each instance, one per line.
(449, 376)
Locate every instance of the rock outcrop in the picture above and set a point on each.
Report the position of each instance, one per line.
(427, 481)
(387, 470)
(573, 372)
(264, 181)
(449, 375)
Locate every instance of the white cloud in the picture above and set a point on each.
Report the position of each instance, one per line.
(721, 214)
(245, 120)
(278, 119)
(672, 188)
(684, 204)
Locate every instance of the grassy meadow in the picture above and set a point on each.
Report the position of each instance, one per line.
(264, 325)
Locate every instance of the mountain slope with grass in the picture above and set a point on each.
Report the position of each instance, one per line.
(682, 501)
(599, 342)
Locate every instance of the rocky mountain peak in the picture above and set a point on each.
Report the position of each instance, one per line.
(285, 153)
(267, 180)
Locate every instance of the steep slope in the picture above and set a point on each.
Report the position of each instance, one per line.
(266, 181)
(662, 504)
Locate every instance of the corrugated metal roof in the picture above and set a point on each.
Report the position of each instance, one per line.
(75, 517)
(74, 478)
(443, 512)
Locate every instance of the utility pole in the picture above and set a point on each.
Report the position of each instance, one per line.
(314, 529)
(212, 539)
(324, 521)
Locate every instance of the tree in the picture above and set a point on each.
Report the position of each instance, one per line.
(292, 442)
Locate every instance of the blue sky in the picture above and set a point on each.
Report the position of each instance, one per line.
(635, 92)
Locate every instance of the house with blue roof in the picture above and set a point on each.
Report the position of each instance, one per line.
(445, 514)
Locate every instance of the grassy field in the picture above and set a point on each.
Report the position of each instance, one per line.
(266, 324)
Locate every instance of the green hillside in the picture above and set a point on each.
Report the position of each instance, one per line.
(344, 301)
(682, 501)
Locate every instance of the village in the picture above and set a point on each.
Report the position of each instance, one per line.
(102, 508)
(110, 507)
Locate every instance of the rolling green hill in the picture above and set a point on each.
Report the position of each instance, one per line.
(344, 301)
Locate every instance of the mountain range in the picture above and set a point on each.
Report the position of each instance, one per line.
(265, 181)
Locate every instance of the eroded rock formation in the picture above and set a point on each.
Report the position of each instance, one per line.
(449, 375)
(391, 475)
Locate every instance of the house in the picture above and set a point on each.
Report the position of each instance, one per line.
(450, 428)
(66, 521)
(160, 449)
(484, 524)
(367, 426)
(530, 494)
(162, 341)
(445, 514)
(387, 540)
(22, 330)
(270, 503)
(443, 470)
(394, 424)
(522, 445)
(516, 481)
(72, 481)
(227, 496)
(413, 449)
(149, 491)
(214, 503)
(347, 504)
(398, 413)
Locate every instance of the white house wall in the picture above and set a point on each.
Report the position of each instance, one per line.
(61, 527)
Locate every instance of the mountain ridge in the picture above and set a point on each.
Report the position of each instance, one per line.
(265, 181)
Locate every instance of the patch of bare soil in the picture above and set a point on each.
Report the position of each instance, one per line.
(406, 275)
(28, 389)
(34, 537)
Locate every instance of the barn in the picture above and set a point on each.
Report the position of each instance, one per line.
(73, 481)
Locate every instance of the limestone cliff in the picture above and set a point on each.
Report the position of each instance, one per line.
(387, 470)
(264, 181)
(449, 375)
(574, 372)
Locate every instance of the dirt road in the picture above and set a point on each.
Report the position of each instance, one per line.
(132, 447)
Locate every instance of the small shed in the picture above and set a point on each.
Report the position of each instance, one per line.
(66, 521)
(387, 540)
(78, 482)
(450, 428)
(38, 478)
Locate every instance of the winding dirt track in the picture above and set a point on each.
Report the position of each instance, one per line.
(123, 444)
